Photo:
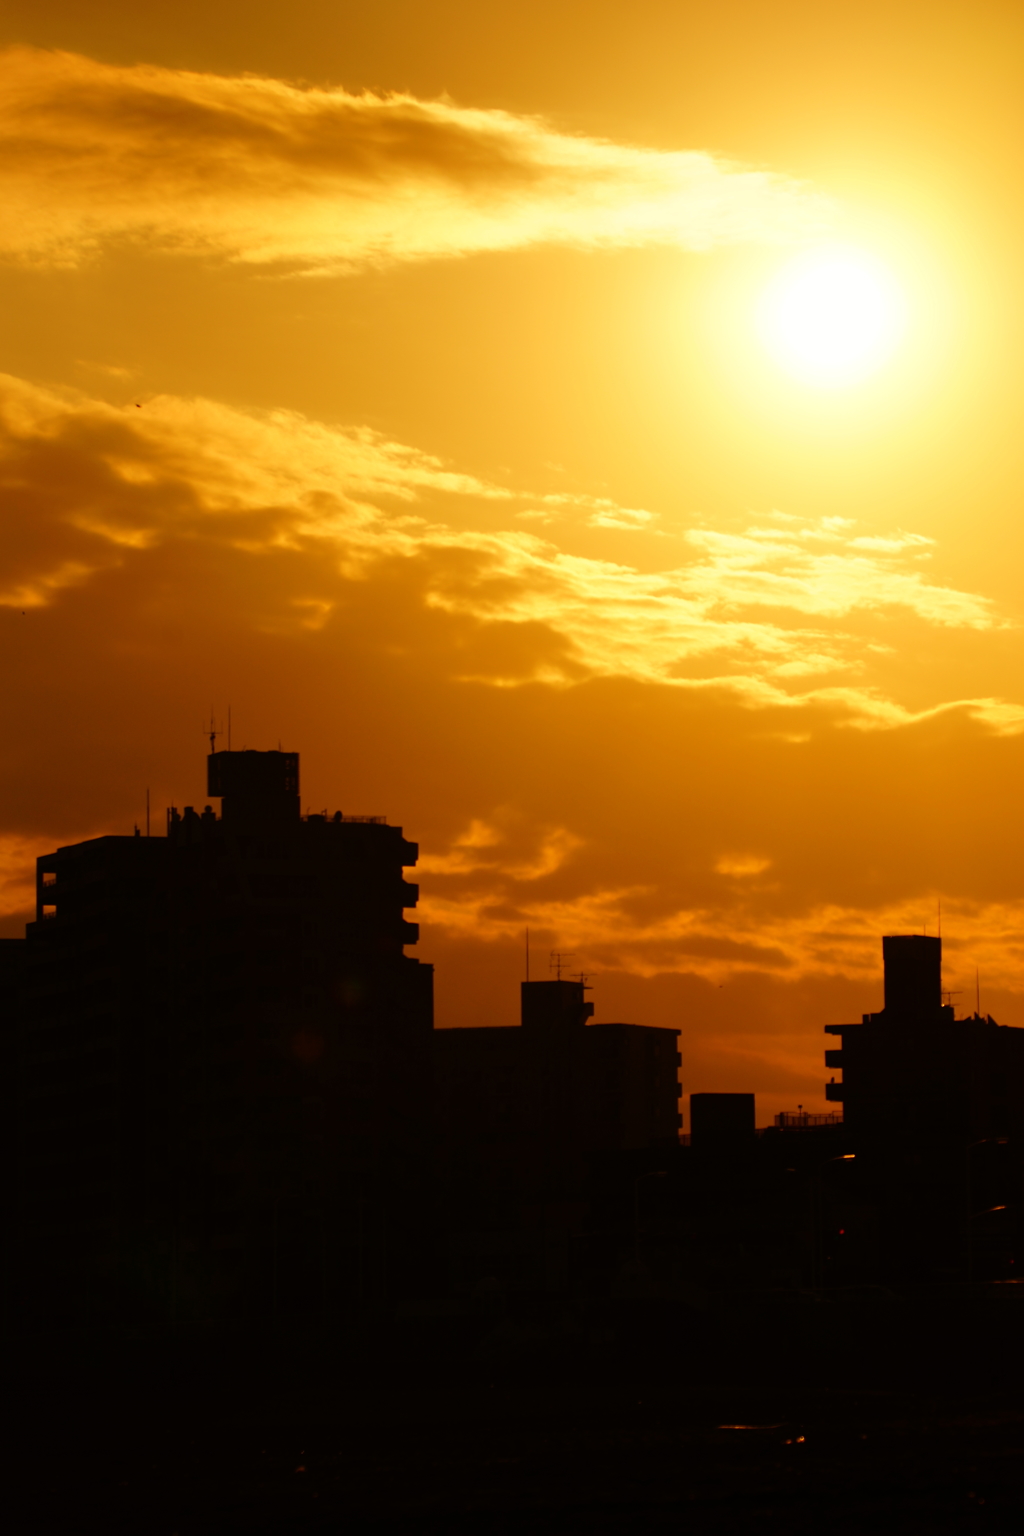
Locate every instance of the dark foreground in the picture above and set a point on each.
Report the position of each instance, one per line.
(863, 1415)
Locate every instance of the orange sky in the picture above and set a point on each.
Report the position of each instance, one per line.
(391, 374)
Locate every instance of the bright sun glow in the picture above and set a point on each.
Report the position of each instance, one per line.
(832, 316)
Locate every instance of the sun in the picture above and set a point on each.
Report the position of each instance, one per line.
(832, 316)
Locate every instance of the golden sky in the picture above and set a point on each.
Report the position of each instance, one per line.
(404, 376)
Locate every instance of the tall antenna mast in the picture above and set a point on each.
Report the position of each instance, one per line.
(229, 727)
(147, 811)
(527, 954)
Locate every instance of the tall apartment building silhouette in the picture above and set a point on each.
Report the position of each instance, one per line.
(933, 1109)
(915, 1069)
(224, 1047)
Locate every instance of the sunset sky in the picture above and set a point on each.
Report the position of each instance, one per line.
(590, 434)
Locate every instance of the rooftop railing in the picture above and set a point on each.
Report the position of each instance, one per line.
(801, 1120)
(376, 821)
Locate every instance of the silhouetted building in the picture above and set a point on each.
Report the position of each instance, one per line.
(721, 1119)
(12, 970)
(914, 1068)
(559, 1086)
(933, 1109)
(526, 1115)
(223, 1052)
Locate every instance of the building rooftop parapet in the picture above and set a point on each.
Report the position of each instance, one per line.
(322, 818)
(946, 1014)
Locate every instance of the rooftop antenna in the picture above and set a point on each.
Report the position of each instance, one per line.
(147, 811)
(940, 917)
(977, 992)
(527, 954)
(213, 732)
(559, 960)
(229, 727)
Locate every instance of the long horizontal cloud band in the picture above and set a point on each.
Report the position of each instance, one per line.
(720, 943)
(259, 170)
(771, 614)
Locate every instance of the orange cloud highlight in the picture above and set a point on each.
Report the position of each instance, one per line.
(775, 616)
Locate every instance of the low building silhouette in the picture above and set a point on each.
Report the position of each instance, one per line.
(531, 1119)
(736, 1220)
(722, 1121)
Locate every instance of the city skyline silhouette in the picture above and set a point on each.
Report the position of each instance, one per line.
(232, 1105)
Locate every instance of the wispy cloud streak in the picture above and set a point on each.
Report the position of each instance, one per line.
(260, 170)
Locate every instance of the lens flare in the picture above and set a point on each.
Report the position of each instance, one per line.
(832, 317)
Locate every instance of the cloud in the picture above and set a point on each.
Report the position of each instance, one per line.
(470, 851)
(259, 170)
(822, 570)
(632, 930)
(491, 848)
(780, 616)
(742, 865)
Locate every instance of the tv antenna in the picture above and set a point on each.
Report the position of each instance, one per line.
(559, 961)
(212, 731)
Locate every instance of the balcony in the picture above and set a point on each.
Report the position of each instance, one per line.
(834, 1092)
(834, 1059)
